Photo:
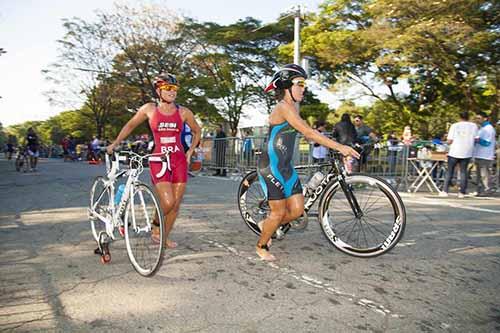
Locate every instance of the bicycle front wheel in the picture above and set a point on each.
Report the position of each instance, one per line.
(144, 251)
(101, 206)
(380, 224)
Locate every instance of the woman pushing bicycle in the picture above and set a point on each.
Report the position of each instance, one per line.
(277, 175)
(166, 121)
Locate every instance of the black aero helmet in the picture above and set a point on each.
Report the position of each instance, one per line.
(164, 78)
(282, 79)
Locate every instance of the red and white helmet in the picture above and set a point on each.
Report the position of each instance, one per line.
(282, 79)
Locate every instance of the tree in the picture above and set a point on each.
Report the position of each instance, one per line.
(445, 51)
(3, 137)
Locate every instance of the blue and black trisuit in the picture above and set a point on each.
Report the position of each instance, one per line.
(277, 176)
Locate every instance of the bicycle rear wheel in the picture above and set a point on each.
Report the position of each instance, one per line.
(100, 206)
(381, 225)
(144, 252)
(253, 204)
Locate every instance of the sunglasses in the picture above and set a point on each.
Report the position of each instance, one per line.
(169, 87)
(300, 83)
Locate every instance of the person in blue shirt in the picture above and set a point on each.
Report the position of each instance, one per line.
(484, 154)
(248, 147)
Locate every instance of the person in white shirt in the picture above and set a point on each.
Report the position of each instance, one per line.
(461, 138)
(484, 153)
(319, 152)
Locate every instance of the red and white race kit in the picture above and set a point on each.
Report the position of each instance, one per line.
(167, 130)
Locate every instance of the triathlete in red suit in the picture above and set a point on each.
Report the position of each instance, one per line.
(167, 130)
(166, 120)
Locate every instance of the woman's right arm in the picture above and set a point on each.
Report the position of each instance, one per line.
(136, 120)
(300, 125)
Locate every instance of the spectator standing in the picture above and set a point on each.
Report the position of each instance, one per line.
(461, 138)
(484, 154)
(345, 133)
(407, 136)
(33, 146)
(248, 147)
(319, 152)
(95, 146)
(392, 152)
(365, 135)
(220, 152)
(72, 148)
(11, 144)
(65, 147)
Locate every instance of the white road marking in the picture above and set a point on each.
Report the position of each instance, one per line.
(309, 280)
(442, 203)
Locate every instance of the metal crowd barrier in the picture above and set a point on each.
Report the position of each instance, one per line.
(240, 155)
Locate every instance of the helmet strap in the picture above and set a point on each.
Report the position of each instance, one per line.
(291, 94)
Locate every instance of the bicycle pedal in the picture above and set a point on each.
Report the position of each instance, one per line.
(279, 234)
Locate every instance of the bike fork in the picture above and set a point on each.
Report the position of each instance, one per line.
(351, 198)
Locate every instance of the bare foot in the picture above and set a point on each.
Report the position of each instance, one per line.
(264, 254)
(170, 244)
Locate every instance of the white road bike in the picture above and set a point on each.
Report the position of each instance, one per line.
(133, 215)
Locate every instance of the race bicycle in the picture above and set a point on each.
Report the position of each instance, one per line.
(22, 161)
(131, 209)
(360, 215)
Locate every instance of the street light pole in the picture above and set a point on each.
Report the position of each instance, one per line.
(296, 37)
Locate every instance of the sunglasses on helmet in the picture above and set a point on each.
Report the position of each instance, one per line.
(300, 82)
(168, 87)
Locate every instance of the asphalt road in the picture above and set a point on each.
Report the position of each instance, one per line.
(444, 276)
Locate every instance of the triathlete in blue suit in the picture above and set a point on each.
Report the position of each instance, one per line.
(276, 172)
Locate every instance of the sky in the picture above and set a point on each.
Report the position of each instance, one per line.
(29, 30)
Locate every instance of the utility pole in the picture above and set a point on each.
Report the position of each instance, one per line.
(296, 37)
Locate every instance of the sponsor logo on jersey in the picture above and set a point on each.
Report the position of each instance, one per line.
(166, 126)
(275, 182)
(281, 147)
(168, 139)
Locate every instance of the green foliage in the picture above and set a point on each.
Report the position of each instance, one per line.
(447, 52)
(3, 136)
(312, 110)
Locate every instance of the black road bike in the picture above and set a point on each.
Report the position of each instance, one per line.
(360, 215)
(22, 160)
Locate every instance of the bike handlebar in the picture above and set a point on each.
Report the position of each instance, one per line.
(113, 160)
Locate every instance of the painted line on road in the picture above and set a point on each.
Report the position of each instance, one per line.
(441, 202)
(309, 280)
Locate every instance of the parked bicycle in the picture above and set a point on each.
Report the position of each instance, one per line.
(22, 160)
(131, 208)
(360, 215)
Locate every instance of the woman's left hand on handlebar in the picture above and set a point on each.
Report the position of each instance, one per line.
(110, 149)
(348, 151)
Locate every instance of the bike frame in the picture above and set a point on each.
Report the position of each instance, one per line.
(113, 173)
(337, 172)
